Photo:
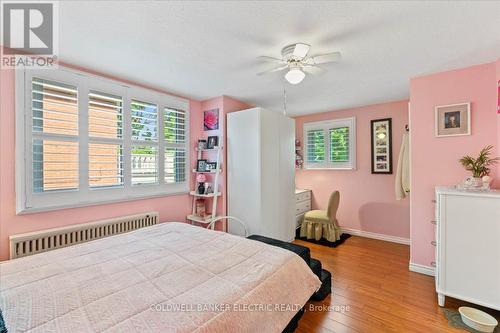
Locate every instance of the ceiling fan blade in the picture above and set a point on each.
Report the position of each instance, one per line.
(315, 70)
(301, 50)
(324, 58)
(271, 59)
(272, 70)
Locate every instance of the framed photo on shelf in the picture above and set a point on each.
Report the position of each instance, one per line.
(209, 189)
(452, 120)
(200, 208)
(212, 142)
(201, 165)
(381, 139)
(211, 166)
(202, 144)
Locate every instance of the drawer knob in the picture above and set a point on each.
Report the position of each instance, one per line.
(433, 264)
(434, 243)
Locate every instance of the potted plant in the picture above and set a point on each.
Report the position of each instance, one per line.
(479, 166)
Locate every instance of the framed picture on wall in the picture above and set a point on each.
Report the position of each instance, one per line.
(381, 139)
(452, 120)
(211, 120)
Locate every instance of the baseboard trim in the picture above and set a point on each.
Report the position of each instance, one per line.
(367, 234)
(421, 269)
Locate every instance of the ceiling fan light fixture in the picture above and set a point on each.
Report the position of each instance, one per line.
(295, 76)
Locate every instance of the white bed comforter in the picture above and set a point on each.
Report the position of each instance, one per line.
(170, 277)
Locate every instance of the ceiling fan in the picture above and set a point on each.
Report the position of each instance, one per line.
(294, 58)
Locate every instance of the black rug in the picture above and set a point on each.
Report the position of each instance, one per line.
(3, 329)
(322, 241)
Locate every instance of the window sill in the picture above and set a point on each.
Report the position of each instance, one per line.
(33, 210)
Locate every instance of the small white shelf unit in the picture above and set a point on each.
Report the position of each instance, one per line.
(216, 172)
(211, 171)
(210, 195)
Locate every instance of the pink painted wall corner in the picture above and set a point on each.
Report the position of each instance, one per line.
(368, 202)
(434, 161)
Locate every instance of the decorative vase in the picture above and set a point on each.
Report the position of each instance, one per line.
(478, 182)
(201, 188)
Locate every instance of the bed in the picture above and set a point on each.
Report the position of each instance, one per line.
(170, 277)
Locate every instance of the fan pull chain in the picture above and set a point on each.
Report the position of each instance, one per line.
(284, 101)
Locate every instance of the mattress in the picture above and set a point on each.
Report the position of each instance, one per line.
(171, 277)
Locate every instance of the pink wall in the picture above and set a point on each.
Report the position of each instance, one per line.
(435, 160)
(368, 201)
(171, 208)
(498, 109)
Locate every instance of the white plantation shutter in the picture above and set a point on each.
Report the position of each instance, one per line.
(82, 139)
(330, 144)
(54, 110)
(105, 165)
(315, 146)
(144, 121)
(144, 165)
(105, 115)
(55, 165)
(339, 144)
(105, 150)
(174, 126)
(175, 163)
(144, 156)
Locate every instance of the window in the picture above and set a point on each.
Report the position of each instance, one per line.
(330, 144)
(105, 140)
(175, 145)
(54, 114)
(144, 143)
(84, 140)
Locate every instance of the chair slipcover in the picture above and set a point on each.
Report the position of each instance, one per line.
(319, 224)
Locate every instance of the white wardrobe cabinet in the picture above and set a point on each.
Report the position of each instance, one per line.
(261, 172)
(468, 246)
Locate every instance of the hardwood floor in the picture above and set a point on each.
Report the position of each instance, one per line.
(371, 278)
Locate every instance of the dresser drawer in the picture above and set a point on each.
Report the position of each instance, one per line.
(302, 207)
(302, 196)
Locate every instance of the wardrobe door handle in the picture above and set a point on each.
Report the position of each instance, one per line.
(433, 263)
(434, 222)
(433, 201)
(434, 243)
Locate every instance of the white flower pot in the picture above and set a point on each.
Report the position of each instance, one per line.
(478, 182)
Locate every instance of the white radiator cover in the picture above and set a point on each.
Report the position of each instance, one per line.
(22, 245)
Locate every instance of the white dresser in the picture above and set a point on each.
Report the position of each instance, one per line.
(468, 246)
(302, 205)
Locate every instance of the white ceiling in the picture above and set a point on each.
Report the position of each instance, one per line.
(206, 49)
